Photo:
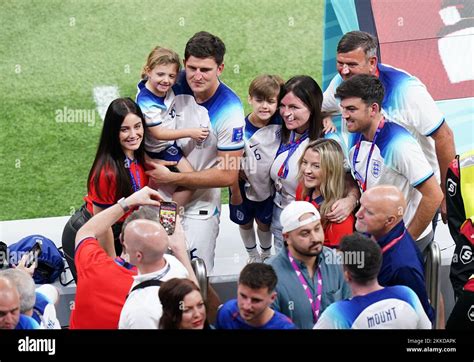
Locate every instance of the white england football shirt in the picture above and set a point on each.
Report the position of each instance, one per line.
(261, 146)
(395, 307)
(406, 102)
(397, 160)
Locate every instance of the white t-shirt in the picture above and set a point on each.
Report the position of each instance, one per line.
(143, 309)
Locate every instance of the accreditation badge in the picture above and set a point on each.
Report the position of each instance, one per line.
(278, 185)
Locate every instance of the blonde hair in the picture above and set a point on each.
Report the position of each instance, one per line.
(160, 56)
(332, 166)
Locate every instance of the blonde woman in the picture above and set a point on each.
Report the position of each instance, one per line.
(322, 182)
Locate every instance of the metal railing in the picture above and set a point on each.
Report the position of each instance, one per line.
(200, 270)
(432, 278)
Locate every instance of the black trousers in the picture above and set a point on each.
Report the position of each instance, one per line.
(69, 236)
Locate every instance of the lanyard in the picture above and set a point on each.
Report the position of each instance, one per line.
(360, 180)
(392, 243)
(291, 148)
(318, 201)
(315, 303)
(135, 184)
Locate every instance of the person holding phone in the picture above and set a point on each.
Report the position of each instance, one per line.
(118, 171)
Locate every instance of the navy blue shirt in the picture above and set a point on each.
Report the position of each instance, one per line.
(228, 317)
(26, 322)
(403, 265)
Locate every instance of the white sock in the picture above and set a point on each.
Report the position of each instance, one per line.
(265, 238)
(248, 237)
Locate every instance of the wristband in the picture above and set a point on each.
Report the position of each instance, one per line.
(123, 204)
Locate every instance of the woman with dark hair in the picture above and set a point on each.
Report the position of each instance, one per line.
(183, 306)
(300, 104)
(117, 172)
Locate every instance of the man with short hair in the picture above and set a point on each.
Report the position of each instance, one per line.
(381, 215)
(406, 102)
(384, 153)
(217, 160)
(10, 317)
(145, 242)
(251, 309)
(372, 306)
(308, 278)
(33, 302)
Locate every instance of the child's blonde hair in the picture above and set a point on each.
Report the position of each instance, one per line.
(160, 56)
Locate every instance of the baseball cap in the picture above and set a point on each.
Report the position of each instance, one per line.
(290, 216)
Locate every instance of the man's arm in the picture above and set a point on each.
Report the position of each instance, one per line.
(445, 152)
(430, 201)
(225, 173)
(100, 223)
(342, 208)
(330, 104)
(106, 240)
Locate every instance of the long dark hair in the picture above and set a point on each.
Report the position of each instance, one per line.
(110, 157)
(171, 295)
(308, 91)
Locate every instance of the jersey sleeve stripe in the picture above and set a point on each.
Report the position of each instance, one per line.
(435, 128)
(419, 182)
(104, 206)
(153, 124)
(231, 148)
(83, 240)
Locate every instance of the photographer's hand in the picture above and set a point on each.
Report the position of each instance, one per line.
(22, 265)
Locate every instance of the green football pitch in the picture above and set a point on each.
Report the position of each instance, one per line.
(54, 53)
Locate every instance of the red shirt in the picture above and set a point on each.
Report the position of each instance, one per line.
(101, 290)
(333, 232)
(107, 187)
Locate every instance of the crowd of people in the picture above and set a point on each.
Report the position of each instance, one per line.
(341, 228)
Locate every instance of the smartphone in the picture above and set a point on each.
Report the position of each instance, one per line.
(3, 255)
(173, 168)
(34, 254)
(168, 211)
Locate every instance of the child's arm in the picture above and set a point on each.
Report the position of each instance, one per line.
(165, 134)
(236, 196)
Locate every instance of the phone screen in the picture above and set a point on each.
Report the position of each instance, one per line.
(168, 210)
(33, 254)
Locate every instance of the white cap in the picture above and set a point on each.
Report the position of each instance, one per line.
(290, 216)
